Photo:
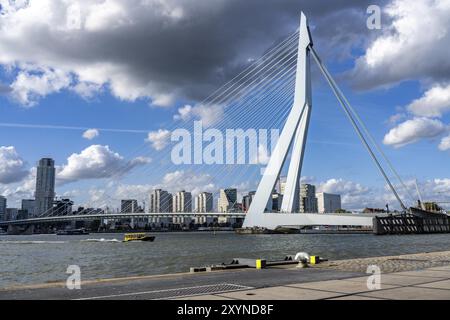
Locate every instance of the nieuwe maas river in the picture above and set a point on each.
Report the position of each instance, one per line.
(44, 258)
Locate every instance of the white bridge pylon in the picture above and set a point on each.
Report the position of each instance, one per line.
(294, 134)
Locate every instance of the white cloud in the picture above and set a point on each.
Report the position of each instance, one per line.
(208, 114)
(394, 119)
(262, 156)
(29, 86)
(96, 162)
(189, 181)
(414, 45)
(445, 144)
(184, 113)
(91, 134)
(434, 103)
(159, 139)
(86, 90)
(414, 130)
(341, 186)
(12, 166)
(153, 50)
(354, 196)
(172, 181)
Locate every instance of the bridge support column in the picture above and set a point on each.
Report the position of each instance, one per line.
(294, 133)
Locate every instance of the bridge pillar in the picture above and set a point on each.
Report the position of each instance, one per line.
(16, 230)
(13, 230)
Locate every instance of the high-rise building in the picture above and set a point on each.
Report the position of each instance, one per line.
(204, 202)
(11, 214)
(29, 205)
(128, 206)
(2, 208)
(182, 202)
(308, 200)
(160, 201)
(277, 199)
(45, 185)
(247, 200)
(227, 200)
(328, 203)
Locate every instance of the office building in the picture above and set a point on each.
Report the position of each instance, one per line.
(45, 186)
(277, 199)
(160, 201)
(11, 214)
(29, 205)
(182, 202)
(128, 206)
(227, 200)
(328, 203)
(3, 204)
(247, 200)
(308, 200)
(204, 202)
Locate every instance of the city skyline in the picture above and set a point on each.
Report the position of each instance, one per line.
(107, 144)
(160, 201)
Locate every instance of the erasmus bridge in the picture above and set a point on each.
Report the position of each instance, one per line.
(292, 140)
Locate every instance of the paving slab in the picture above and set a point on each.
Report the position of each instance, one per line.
(445, 284)
(340, 286)
(410, 293)
(355, 297)
(280, 293)
(204, 297)
(396, 280)
(443, 268)
(442, 275)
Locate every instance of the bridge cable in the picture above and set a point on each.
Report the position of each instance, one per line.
(354, 124)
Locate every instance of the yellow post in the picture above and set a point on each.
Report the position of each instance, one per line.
(258, 264)
(312, 260)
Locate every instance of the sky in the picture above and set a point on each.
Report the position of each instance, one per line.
(100, 85)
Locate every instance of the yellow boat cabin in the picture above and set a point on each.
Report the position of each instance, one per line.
(137, 237)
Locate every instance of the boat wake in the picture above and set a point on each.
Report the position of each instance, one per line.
(30, 242)
(101, 240)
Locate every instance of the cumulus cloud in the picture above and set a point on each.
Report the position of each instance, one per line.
(154, 50)
(414, 130)
(189, 181)
(159, 139)
(341, 186)
(414, 45)
(96, 162)
(12, 166)
(445, 144)
(208, 114)
(354, 196)
(91, 134)
(434, 103)
(36, 82)
(172, 181)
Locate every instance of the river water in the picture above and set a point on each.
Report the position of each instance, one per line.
(45, 258)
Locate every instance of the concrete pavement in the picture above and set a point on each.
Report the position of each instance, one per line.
(334, 280)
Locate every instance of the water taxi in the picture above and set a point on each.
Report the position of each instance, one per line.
(138, 237)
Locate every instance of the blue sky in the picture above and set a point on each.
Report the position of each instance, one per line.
(60, 88)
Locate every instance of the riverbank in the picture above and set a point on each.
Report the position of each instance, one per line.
(44, 258)
(339, 279)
